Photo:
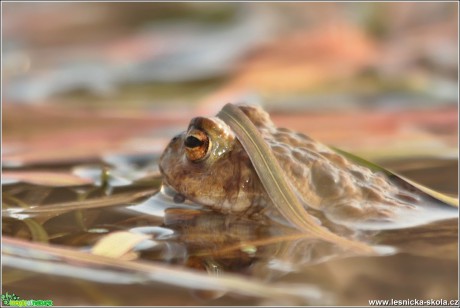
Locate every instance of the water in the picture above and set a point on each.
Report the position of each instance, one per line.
(192, 256)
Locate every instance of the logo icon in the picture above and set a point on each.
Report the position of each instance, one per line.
(6, 298)
(14, 300)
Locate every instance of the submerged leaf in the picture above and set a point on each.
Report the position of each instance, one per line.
(118, 244)
(15, 201)
(114, 200)
(36, 230)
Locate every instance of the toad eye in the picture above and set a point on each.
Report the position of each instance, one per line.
(197, 145)
(193, 142)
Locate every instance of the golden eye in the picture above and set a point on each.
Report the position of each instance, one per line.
(197, 145)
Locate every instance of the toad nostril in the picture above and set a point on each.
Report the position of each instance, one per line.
(175, 138)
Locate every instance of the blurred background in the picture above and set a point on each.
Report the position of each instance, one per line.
(93, 91)
(379, 78)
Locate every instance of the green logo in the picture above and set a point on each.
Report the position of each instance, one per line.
(7, 297)
(14, 300)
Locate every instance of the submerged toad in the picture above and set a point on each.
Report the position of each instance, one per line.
(208, 165)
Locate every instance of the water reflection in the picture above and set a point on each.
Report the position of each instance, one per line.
(410, 261)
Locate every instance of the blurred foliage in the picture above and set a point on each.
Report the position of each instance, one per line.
(287, 53)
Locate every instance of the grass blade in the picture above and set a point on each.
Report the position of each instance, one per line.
(272, 177)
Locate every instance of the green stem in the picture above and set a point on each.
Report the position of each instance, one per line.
(272, 177)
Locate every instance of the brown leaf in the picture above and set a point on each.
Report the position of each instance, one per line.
(118, 245)
(57, 179)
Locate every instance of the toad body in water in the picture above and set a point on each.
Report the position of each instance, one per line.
(214, 165)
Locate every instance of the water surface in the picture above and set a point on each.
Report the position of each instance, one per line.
(193, 256)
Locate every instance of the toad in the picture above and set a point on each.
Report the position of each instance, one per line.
(209, 165)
